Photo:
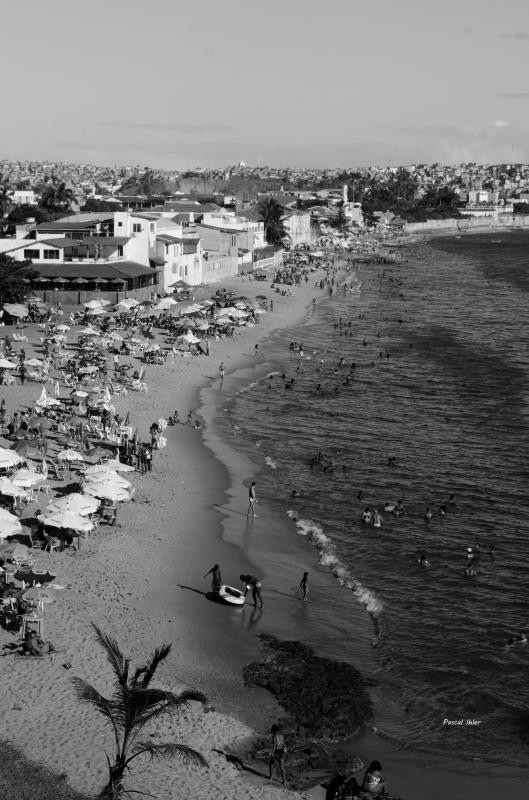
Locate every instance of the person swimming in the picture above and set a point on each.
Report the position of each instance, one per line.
(377, 519)
(469, 571)
(427, 514)
(423, 561)
(367, 516)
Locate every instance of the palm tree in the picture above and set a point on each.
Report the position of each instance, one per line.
(133, 705)
(5, 202)
(57, 197)
(273, 217)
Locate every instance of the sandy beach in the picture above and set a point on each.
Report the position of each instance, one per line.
(125, 580)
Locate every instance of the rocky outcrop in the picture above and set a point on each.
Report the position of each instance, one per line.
(326, 702)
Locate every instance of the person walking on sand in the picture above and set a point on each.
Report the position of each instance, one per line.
(255, 585)
(216, 578)
(253, 500)
(278, 754)
(304, 585)
(221, 371)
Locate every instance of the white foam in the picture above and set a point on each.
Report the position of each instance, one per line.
(330, 559)
(270, 463)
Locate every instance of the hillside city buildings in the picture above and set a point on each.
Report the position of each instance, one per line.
(207, 225)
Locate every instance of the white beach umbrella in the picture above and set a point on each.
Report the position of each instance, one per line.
(118, 466)
(128, 303)
(9, 458)
(9, 524)
(81, 504)
(67, 519)
(26, 478)
(16, 309)
(93, 304)
(88, 331)
(101, 473)
(107, 491)
(33, 362)
(188, 338)
(5, 363)
(70, 455)
(63, 328)
(8, 488)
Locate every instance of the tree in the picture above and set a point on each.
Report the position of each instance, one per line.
(100, 205)
(14, 277)
(5, 203)
(272, 215)
(133, 705)
(57, 197)
(23, 212)
(340, 221)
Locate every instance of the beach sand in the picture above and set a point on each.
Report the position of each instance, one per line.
(143, 584)
(124, 579)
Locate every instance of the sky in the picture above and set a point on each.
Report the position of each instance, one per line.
(302, 83)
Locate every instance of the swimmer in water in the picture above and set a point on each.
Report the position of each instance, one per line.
(442, 510)
(423, 561)
(452, 500)
(522, 638)
(377, 519)
(469, 571)
(427, 514)
(492, 552)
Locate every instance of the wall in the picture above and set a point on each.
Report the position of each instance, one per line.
(515, 221)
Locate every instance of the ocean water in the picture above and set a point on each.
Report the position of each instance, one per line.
(440, 383)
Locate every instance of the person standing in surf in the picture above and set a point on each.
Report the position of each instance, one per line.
(253, 500)
(304, 585)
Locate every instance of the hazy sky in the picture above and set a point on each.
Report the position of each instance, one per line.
(302, 82)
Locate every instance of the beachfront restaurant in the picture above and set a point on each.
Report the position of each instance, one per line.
(73, 283)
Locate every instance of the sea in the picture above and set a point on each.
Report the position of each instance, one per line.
(424, 362)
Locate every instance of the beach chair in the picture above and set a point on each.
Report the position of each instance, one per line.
(51, 543)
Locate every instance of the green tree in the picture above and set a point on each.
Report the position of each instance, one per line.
(272, 215)
(133, 706)
(14, 279)
(340, 221)
(100, 205)
(57, 197)
(5, 203)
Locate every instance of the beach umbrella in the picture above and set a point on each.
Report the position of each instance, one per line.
(100, 473)
(14, 550)
(33, 362)
(8, 488)
(25, 448)
(93, 304)
(8, 458)
(69, 455)
(60, 280)
(98, 311)
(68, 519)
(259, 311)
(80, 280)
(128, 303)
(6, 364)
(63, 328)
(107, 491)
(88, 332)
(80, 504)
(89, 370)
(118, 466)
(16, 309)
(186, 322)
(26, 478)
(9, 524)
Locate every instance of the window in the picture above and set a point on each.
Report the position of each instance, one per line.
(120, 224)
(120, 249)
(234, 241)
(185, 272)
(152, 227)
(136, 227)
(50, 254)
(174, 269)
(32, 254)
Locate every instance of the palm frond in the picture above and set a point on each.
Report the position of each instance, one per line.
(160, 654)
(114, 655)
(86, 693)
(169, 750)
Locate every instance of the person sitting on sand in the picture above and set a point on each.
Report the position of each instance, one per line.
(278, 753)
(374, 783)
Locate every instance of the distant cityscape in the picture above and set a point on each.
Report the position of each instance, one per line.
(86, 228)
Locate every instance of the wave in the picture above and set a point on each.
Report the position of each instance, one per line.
(329, 559)
(270, 463)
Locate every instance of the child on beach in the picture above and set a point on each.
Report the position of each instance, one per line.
(278, 753)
